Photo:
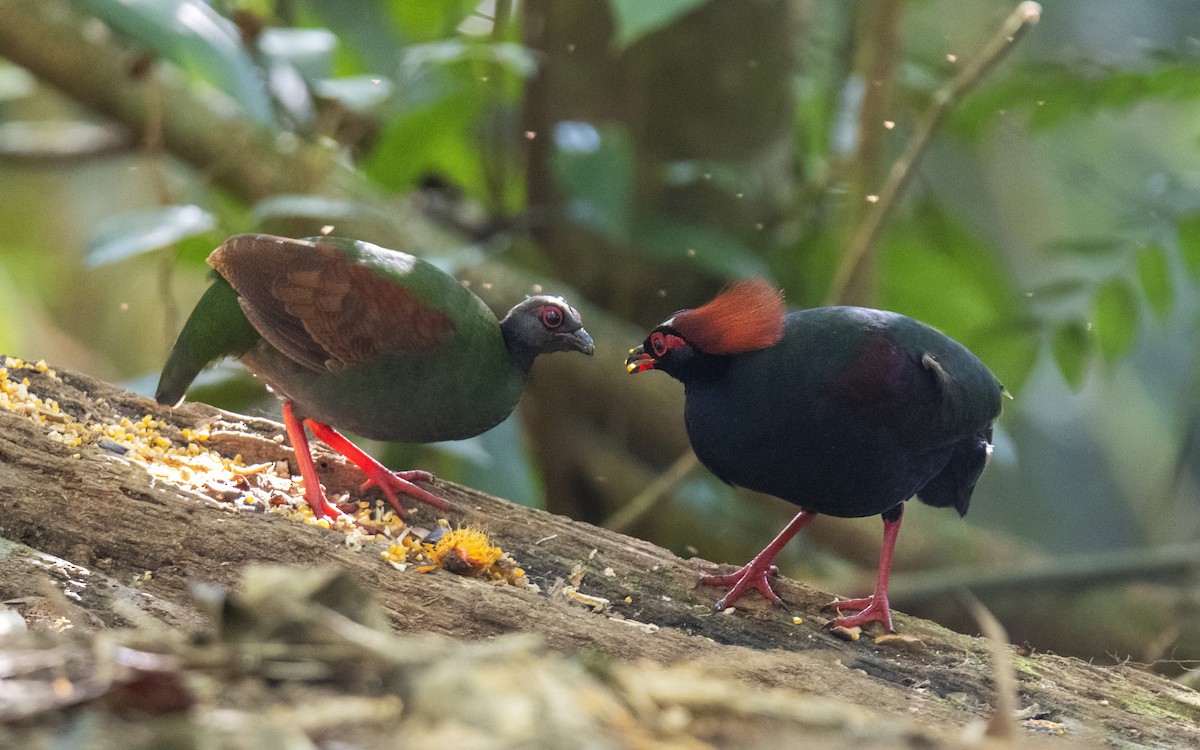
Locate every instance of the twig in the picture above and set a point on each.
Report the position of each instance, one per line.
(645, 501)
(867, 233)
(1073, 571)
(877, 58)
(156, 160)
(497, 130)
(1000, 724)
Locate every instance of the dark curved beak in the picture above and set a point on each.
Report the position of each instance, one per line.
(638, 360)
(579, 340)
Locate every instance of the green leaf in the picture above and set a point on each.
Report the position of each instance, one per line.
(199, 40)
(1155, 276)
(935, 270)
(1072, 349)
(1053, 93)
(734, 178)
(59, 138)
(637, 18)
(358, 93)
(128, 234)
(1058, 290)
(686, 244)
(308, 207)
(418, 21)
(435, 139)
(1189, 243)
(500, 464)
(309, 51)
(15, 83)
(294, 59)
(594, 166)
(439, 129)
(1087, 247)
(371, 34)
(514, 57)
(1010, 350)
(1115, 318)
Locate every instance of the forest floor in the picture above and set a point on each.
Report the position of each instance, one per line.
(145, 604)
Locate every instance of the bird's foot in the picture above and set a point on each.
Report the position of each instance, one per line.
(869, 609)
(392, 482)
(749, 576)
(378, 475)
(321, 507)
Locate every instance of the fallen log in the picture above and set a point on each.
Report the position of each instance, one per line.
(101, 529)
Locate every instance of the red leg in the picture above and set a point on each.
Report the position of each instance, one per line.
(389, 481)
(874, 608)
(321, 507)
(753, 575)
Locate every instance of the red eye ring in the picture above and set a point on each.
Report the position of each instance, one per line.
(551, 316)
(658, 343)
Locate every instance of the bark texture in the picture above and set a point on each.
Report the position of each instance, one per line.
(89, 537)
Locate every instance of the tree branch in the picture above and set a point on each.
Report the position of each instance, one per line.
(48, 38)
(71, 510)
(878, 59)
(1171, 562)
(866, 234)
(648, 499)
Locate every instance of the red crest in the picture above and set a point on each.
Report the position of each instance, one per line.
(747, 316)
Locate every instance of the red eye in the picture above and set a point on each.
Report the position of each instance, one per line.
(661, 342)
(551, 316)
(658, 343)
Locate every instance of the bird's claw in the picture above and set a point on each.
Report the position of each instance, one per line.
(392, 482)
(414, 475)
(326, 509)
(740, 581)
(320, 505)
(869, 609)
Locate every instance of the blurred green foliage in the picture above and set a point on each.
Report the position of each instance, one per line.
(1053, 227)
(196, 38)
(637, 19)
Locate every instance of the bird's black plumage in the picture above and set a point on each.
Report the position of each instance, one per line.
(851, 413)
(847, 411)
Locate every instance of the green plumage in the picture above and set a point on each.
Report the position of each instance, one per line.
(216, 329)
(366, 339)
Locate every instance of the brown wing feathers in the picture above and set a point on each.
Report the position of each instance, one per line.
(322, 308)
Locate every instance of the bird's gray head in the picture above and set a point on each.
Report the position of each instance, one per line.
(544, 324)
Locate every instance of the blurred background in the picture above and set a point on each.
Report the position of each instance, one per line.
(637, 156)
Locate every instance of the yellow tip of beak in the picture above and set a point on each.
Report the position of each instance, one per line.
(630, 367)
